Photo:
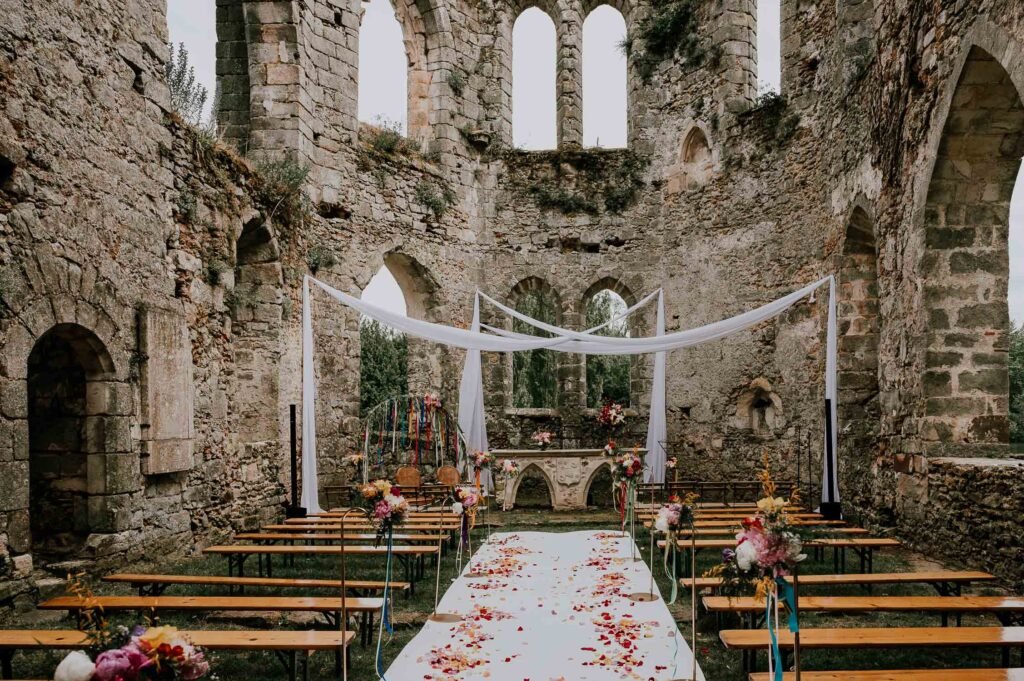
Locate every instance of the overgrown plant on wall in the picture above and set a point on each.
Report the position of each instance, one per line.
(671, 28)
(772, 116)
(580, 181)
(437, 198)
(188, 97)
(320, 257)
(279, 188)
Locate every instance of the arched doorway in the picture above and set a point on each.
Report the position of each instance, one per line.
(599, 488)
(69, 371)
(533, 489)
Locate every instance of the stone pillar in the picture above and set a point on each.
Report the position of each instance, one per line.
(569, 79)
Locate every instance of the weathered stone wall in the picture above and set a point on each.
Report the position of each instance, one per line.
(123, 232)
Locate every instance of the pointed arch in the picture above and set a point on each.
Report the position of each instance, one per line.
(695, 159)
(534, 375)
(383, 47)
(600, 496)
(611, 377)
(965, 264)
(605, 98)
(533, 472)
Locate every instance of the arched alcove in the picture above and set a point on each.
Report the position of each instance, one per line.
(605, 103)
(966, 264)
(534, 374)
(599, 489)
(759, 409)
(533, 489)
(383, 351)
(69, 375)
(534, 74)
(858, 328)
(695, 159)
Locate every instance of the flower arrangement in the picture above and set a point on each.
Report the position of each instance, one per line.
(671, 462)
(627, 467)
(612, 415)
(386, 505)
(466, 500)
(542, 438)
(481, 460)
(672, 517)
(510, 468)
(611, 449)
(147, 654)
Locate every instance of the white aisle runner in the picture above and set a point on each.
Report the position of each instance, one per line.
(553, 608)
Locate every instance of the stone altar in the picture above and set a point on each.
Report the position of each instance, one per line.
(569, 473)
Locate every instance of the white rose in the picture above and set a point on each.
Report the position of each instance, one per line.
(457, 508)
(661, 523)
(75, 667)
(746, 555)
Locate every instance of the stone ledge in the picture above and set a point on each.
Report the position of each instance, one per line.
(978, 462)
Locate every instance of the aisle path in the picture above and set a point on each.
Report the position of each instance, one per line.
(554, 608)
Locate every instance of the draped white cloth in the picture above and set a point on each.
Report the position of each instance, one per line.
(480, 338)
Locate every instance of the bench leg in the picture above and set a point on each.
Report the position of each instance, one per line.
(6, 666)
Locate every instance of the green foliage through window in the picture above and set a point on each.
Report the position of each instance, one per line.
(607, 375)
(1017, 384)
(534, 373)
(384, 364)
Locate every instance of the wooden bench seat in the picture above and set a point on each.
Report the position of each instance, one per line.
(719, 531)
(945, 582)
(155, 585)
(291, 646)
(863, 547)
(271, 537)
(903, 675)
(1007, 609)
(752, 641)
(360, 528)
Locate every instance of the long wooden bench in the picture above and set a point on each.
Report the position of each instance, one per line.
(946, 583)
(271, 537)
(864, 548)
(1008, 610)
(902, 675)
(752, 641)
(719, 531)
(328, 607)
(411, 557)
(155, 585)
(362, 528)
(292, 647)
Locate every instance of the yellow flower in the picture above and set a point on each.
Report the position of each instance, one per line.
(383, 486)
(770, 506)
(155, 636)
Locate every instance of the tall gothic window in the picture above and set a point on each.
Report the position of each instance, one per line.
(607, 375)
(383, 68)
(604, 79)
(534, 59)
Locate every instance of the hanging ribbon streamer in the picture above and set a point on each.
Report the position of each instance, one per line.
(464, 530)
(671, 547)
(789, 598)
(771, 607)
(385, 614)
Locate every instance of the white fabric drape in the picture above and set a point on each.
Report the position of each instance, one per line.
(476, 340)
(830, 455)
(657, 424)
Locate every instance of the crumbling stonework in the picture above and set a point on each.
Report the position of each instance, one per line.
(132, 247)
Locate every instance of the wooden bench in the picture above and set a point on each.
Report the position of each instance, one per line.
(863, 547)
(1008, 610)
(362, 528)
(719, 531)
(903, 675)
(155, 585)
(328, 607)
(752, 641)
(292, 647)
(946, 583)
(411, 557)
(272, 537)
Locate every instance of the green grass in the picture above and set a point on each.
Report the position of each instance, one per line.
(410, 613)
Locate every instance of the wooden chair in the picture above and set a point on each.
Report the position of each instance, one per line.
(408, 476)
(448, 476)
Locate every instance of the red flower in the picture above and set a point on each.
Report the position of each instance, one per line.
(396, 491)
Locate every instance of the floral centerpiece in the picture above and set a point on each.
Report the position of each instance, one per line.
(385, 504)
(769, 548)
(611, 449)
(480, 461)
(612, 415)
(465, 506)
(542, 438)
(142, 654)
(626, 472)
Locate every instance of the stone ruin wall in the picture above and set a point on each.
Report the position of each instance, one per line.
(115, 219)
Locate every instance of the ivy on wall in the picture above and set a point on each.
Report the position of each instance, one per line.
(672, 28)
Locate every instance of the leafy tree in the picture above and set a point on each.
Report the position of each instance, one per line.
(187, 96)
(1017, 384)
(607, 375)
(534, 373)
(384, 364)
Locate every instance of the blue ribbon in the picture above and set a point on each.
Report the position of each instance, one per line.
(776, 654)
(385, 622)
(785, 589)
(789, 597)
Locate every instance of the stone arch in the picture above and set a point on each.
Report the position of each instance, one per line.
(635, 329)
(79, 448)
(601, 79)
(255, 300)
(598, 497)
(533, 90)
(966, 261)
(759, 409)
(694, 164)
(535, 297)
(532, 472)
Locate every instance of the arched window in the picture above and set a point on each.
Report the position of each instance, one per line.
(695, 159)
(383, 352)
(769, 46)
(1015, 301)
(604, 79)
(383, 68)
(534, 60)
(966, 264)
(607, 375)
(535, 373)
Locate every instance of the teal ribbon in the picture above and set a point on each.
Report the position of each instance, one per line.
(385, 622)
(670, 547)
(789, 597)
(776, 654)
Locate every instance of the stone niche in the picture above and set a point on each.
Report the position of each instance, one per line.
(168, 430)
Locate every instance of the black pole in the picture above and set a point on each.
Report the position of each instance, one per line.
(294, 510)
(830, 508)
